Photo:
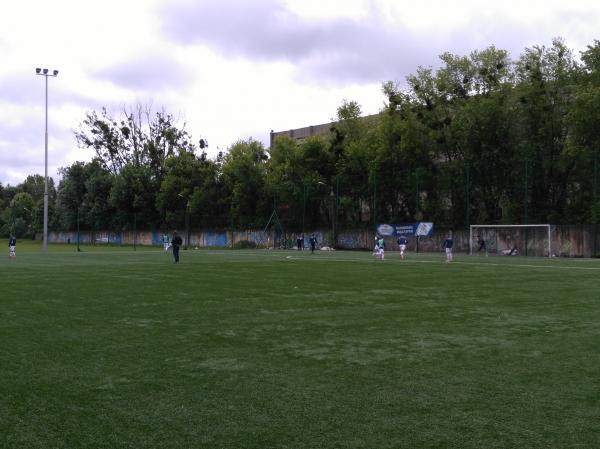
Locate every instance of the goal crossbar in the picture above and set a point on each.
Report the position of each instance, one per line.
(547, 226)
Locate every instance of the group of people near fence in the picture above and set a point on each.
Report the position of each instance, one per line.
(447, 246)
(379, 251)
(312, 241)
(175, 243)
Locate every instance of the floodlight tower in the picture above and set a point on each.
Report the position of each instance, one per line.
(45, 73)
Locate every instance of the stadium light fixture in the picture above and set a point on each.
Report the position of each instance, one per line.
(45, 74)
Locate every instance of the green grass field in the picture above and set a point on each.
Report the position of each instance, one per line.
(111, 348)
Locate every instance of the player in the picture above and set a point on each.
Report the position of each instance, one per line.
(381, 250)
(313, 243)
(482, 245)
(12, 247)
(447, 245)
(402, 242)
(176, 242)
(511, 252)
(165, 240)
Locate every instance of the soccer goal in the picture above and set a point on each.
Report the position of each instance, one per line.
(511, 240)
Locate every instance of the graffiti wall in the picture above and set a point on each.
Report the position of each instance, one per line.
(567, 241)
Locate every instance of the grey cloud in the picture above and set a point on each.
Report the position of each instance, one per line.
(340, 49)
(21, 89)
(148, 73)
(22, 148)
(260, 28)
(25, 90)
(331, 50)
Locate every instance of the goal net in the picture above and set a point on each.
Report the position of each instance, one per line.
(511, 240)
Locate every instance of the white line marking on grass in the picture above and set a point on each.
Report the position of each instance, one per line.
(529, 266)
(441, 261)
(282, 255)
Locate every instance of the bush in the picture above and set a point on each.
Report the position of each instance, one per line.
(244, 244)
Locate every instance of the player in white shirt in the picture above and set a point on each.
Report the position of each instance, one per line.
(402, 242)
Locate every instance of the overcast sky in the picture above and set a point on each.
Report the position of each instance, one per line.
(234, 69)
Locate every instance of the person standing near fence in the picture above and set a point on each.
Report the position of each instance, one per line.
(482, 245)
(165, 241)
(176, 242)
(447, 245)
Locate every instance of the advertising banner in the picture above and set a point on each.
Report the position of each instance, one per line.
(420, 228)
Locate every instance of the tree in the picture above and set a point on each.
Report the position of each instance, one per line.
(351, 147)
(71, 195)
(244, 169)
(84, 192)
(138, 138)
(545, 92)
(35, 186)
(133, 197)
(19, 216)
(191, 185)
(583, 143)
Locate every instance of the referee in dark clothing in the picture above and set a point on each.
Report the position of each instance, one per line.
(176, 242)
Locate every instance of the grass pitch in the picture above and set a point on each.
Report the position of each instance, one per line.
(111, 348)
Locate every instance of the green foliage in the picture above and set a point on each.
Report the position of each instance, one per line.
(138, 138)
(20, 216)
(191, 185)
(245, 244)
(482, 138)
(243, 174)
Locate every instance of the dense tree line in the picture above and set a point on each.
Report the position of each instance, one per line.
(483, 139)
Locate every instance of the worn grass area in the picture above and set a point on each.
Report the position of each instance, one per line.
(263, 349)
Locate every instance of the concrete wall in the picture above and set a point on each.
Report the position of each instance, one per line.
(567, 241)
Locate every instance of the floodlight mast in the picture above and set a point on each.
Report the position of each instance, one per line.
(45, 74)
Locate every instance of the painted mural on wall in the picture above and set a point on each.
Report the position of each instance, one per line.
(567, 241)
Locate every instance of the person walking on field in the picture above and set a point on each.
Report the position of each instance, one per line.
(12, 247)
(176, 242)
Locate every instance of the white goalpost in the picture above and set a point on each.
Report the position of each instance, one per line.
(530, 239)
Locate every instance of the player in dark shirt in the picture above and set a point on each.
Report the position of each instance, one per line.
(402, 242)
(12, 244)
(176, 242)
(447, 245)
(482, 245)
(313, 243)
